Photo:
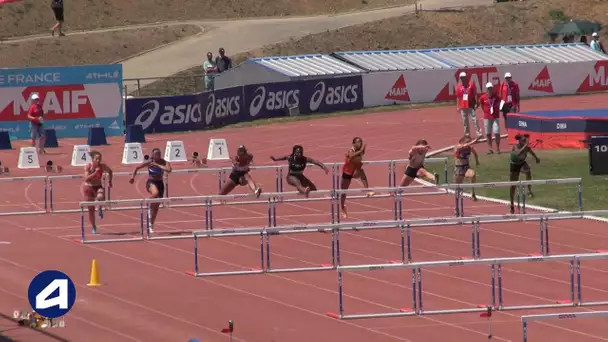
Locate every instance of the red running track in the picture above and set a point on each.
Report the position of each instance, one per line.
(147, 296)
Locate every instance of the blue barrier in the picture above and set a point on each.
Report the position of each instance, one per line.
(135, 134)
(97, 136)
(50, 138)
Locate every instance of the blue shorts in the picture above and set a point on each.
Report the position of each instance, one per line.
(37, 130)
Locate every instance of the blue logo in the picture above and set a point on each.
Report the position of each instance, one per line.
(52, 294)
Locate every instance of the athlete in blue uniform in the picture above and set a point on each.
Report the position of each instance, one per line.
(297, 164)
(155, 184)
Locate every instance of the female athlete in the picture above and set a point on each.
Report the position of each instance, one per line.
(240, 173)
(518, 164)
(155, 184)
(92, 188)
(353, 169)
(462, 168)
(415, 168)
(297, 164)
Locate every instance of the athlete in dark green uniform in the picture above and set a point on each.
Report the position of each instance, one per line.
(518, 164)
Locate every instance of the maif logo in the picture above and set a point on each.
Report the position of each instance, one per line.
(398, 91)
(542, 82)
(52, 294)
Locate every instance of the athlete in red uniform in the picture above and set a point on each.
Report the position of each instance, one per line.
(353, 168)
(92, 187)
(415, 167)
(240, 173)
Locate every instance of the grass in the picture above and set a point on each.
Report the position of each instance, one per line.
(523, 22)
(554, 164)
(95, 48)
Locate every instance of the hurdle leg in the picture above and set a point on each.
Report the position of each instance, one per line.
(493, 284)
(402, 229)
(281, 180)
(572, 281)
(270, 212)
(220, 180)
(141, 220)
(206, 214)
(542, 236)
(478, 233)
(445, 172)
(499, 274)
(546, 224)
(524, 324)
(333, 248)
(390, 174)
(51, 195)
(580, 196)
(414, 280)
(210, 208)
(461, 201)
(268, 264)
(195, 255)
(338, 261)
(340, 295)
(578, 281)
(523, 199)
(82, 234)
(420, 307)
(46, 192)
(473, 254)
(408, 232)
(277, 176)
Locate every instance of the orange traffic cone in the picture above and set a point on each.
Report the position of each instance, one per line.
(94, 275)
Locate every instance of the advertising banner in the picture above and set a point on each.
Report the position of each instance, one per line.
(534, 79)
(240, 104)
(73, 99)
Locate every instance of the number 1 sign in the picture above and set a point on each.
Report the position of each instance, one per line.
(218, 150)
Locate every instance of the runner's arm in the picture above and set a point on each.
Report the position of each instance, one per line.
(534, 155)
(318, 163)
(475, 155)
(279, 158)
(139, 167)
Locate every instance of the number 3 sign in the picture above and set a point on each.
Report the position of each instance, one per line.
(52, 294)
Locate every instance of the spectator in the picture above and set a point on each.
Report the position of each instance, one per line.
(584, 40)
(595, 43)
(509, 94)
(57, 6)
(35, 114)
(222, 61)
(466, 101)
(210, 71)
(490, 102)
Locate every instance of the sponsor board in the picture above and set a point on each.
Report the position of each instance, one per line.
(72, 98)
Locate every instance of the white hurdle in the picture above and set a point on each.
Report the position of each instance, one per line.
(28, 179)
(496, 289)
(557, 316)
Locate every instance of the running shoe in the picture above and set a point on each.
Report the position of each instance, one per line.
(258, 192)
(101, 212)
(94, 230)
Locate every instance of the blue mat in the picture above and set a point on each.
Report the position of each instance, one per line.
(556, 114)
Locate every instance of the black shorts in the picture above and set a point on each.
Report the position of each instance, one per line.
(303, 180)
(160, 186)
(58, 14)
(236, 177)
(461, 170)
(518, 168)
(347, 176)
(412, 172)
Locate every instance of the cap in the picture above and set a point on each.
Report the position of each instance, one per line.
(463, 74)
(594, 34)
(35, 96)
(489, 85)
(507, 75)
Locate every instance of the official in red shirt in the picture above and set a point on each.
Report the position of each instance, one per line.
(35, 115)
(466, 102)
(509, 92)
(490, 105)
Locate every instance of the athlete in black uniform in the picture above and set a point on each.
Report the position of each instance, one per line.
(297, 164)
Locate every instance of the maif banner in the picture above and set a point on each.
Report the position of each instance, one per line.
(73, 98)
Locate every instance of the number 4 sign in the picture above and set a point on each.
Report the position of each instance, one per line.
(52, 294)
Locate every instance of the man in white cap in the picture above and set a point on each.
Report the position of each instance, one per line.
(35, 115)
(595, 43)
(509, 95)
(466, 101)
(490, 104)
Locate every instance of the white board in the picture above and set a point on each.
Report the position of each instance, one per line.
(132, 154)
(81, 155)
(175, 151)
(218, 150)
(28, 158)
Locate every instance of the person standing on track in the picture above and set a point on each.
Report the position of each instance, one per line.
(518, 164)
(155, 184)
(466, 101)
(92, 187)
(490, 106)
(415, 168)
(240, 173)
(297, 164)
(462, 156)
(35, 116)
(509, 93)
(353, 169)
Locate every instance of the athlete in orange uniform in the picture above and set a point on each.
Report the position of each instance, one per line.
(92, 187)
(353, 168)
(415, 167)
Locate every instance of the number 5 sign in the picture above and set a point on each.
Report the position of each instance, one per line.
(52, 294)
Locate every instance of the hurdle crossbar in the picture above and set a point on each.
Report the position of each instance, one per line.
(496, 283)
(42, 210)
(557, 316)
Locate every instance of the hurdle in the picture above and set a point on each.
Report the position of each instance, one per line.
(558, 316)
(496, 289)
(28, 179)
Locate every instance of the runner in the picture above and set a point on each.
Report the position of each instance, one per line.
(297, 165)
(518, 164)
(462, 168)
(240, 173)
(415, 168)
(155, 184)
(92, 187)
(353, 169)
